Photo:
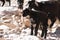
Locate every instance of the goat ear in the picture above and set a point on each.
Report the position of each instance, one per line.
(25, 12)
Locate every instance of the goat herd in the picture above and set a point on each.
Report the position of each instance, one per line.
(40, 12)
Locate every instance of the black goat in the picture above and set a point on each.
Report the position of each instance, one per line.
(44, 11)
(4, 2)
(20, 3)
(37, 17)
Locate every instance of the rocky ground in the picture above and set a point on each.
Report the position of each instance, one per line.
(13, 24)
